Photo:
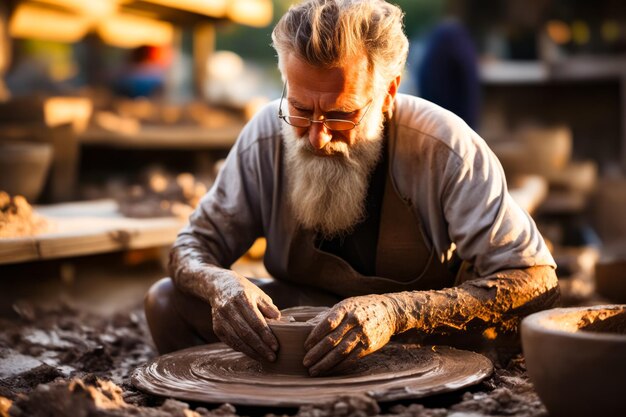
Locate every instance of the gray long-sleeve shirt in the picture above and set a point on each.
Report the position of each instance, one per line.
(442, 168)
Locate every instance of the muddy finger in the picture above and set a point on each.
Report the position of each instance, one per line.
(326, 344)
(257, 323)
(336, 355)
(251, 337)
(231, 338)
(326, 325)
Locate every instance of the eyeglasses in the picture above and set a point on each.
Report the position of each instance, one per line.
(330, 124)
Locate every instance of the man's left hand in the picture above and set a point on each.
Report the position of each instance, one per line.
(353, 328)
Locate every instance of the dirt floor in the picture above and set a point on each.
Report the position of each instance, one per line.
(69, 352)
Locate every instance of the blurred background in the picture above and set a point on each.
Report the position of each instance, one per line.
(116, 114)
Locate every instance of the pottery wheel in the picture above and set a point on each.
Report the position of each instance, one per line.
(216, 374)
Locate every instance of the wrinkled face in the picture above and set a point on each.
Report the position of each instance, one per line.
(336, 93)
(328, 171)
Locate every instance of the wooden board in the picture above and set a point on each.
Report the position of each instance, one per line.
(166, 137)
(90, 227)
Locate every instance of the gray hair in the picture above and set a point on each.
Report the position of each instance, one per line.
(330, 33)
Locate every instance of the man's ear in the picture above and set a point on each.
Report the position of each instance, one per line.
(392, 90)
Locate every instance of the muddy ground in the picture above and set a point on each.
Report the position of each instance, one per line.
(62, 359)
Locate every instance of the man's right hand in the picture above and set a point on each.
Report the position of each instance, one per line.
(239, 310)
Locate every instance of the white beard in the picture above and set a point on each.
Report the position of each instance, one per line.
(327, 193)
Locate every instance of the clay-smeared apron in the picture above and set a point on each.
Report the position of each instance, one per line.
(405, 259)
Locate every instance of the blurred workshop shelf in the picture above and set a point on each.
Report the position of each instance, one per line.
(537, 72)
(586, 92)
(90, 227)
(165, 137)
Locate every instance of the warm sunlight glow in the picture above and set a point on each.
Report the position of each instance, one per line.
(247, 12)
(93, 8)
(251, 12)
(35, 22)
(225, 66)
(158, 183)
(215, 8)
(129, 31)
(61, 110)
(5, 51)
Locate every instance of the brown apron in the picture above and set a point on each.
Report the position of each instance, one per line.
(405, 259)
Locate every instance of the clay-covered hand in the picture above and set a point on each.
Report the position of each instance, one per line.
(353, 328)
(239, 310)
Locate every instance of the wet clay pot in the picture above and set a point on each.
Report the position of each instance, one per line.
(576, 359)
(292, 330)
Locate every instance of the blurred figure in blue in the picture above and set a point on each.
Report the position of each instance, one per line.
(448, 72)
(144, 76)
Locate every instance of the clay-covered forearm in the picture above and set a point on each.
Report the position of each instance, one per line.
(195, 271)
(496, 301)
(238, 307)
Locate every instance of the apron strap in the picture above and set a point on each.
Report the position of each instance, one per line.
(402, 252)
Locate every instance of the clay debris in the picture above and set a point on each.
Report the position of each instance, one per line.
(18, 219)
(161, 194)
(613, 321)
(99, 398)
(66, 362)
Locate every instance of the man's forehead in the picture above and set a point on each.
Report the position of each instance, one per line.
(349, 83)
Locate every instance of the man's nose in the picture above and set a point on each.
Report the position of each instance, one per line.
(319, 135)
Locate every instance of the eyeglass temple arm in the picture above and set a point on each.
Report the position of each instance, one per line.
(280, 104)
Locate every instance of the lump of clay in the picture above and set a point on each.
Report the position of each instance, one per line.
(17, 217)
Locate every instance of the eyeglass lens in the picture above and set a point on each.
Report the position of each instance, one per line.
(331, 124)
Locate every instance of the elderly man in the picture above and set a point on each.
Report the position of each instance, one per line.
(382, 205)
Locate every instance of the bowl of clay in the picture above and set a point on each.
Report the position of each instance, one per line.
(610, 278)
(292, 330)
(576, 359)
(24, 168)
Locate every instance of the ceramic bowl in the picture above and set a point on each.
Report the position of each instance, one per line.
(292, 330)
(610, 276)
(24, 168)
(550, 147)
(576, 359)
(606, 209)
